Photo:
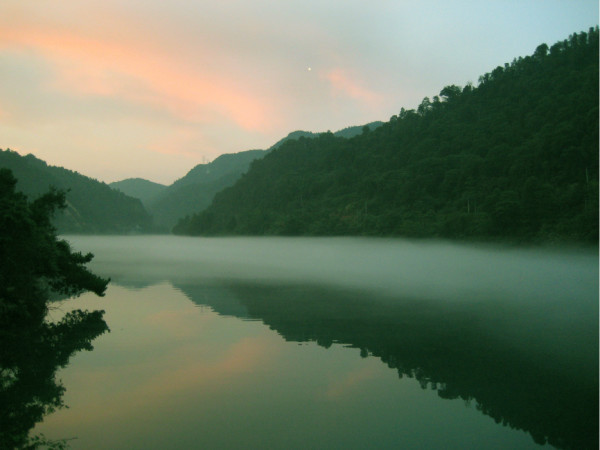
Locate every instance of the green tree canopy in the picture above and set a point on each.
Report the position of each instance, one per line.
(33, 260)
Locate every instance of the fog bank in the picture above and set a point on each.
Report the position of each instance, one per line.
(390, 267)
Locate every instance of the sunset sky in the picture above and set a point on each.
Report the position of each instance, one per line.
(146, 88)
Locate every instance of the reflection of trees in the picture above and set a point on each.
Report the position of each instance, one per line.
(29, 359)
(457, 349)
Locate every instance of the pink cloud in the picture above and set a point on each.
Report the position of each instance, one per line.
(141, 74)
(342, 83)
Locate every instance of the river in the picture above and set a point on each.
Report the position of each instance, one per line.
(333, 343)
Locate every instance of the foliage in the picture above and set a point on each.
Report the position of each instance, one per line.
(33, 261)
(33, 264)
(515, 158)
(91, 206)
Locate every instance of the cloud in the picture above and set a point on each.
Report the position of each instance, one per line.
(344, 84)
(138, 73)
(185, 140)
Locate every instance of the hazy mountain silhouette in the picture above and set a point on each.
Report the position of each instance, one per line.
(92, 206)
(139, 188)
(196, 190)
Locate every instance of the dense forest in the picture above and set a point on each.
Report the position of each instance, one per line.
(91, 206)
(513, 158)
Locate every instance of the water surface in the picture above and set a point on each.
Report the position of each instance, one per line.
(334, 343)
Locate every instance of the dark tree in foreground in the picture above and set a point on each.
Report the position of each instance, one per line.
(34, 263)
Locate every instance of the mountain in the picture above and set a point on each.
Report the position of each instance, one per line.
(515, 158)
(348, 132)
(92, 206)
(196, 190)
(139, 188)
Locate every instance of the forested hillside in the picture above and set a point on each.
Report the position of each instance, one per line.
(513, 158)
(196, 190)
(92, 206)
(348, 132)
(145, 190)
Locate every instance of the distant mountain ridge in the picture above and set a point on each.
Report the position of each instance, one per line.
(139, 188)
(348, 132)
(92, 206)
(195, 191)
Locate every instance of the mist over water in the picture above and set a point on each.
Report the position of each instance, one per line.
(521, 295)
(546, 298)
(429, 270)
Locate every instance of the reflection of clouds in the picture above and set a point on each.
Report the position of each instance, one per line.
(161, 348)
(156, 388)
(179, 324)
(240, 359)
(351, 381)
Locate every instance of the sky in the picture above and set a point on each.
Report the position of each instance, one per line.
(118, 89)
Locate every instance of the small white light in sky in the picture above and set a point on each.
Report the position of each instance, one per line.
(309, 69)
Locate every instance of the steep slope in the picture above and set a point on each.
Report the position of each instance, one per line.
(514, 158)
(92, 206)
(196, 190)
(145, 190)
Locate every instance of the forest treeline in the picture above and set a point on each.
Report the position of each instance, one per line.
(513, 158)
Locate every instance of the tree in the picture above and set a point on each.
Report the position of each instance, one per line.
(33, 264)
(33, 261)
(450, 92)
(541, 51)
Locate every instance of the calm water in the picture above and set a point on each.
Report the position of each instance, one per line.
(333, 343)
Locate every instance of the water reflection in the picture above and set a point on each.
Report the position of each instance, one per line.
(529, 378)
(513, 332)
(29, 359)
